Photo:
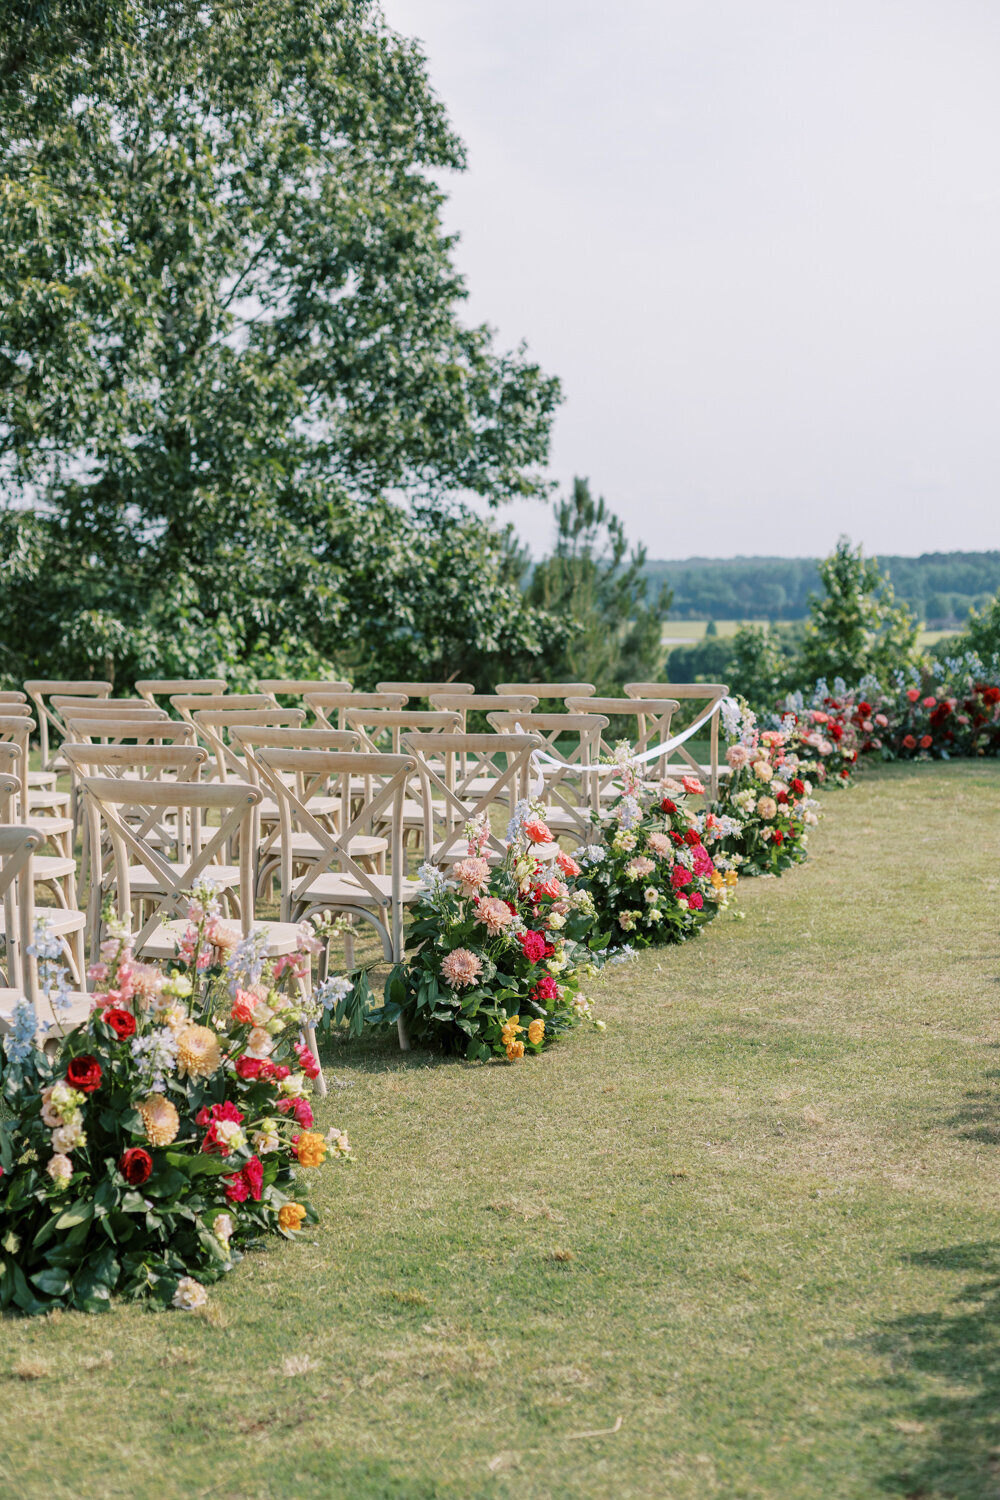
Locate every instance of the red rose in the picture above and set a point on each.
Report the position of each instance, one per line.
(692, 837)
(84, 1073)
(545, 989)
(926, 742)
(136, 1166)
(798, 787)
(236, 1189)
(909, 742)
(680, 877)
(122, 1023)
(845, 774)
(249, 1068)
(667, 806)
(913, 694)
(779, 837)
(696, 900)
(253, 1176)
(781, 797)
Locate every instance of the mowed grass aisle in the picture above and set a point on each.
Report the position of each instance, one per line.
(755, 1224)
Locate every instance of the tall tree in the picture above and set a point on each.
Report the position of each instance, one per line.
(855, 626)
(593, 579)
(228, 312)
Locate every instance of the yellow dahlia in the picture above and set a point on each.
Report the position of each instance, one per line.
(198, 1052)
(291, 1215)
(536, 1031)
(160, 1119)
(515, 1050)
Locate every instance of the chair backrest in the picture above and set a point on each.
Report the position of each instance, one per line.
(325, 705)
(9, 696)
(10, 787)
(546, 689)
(466, 774)
(107, 799)
(465, 703)
(424, 689)
(575, 741)
(712, 694)
(215, 724)
(296, 687)
(18, 845)
(188, 703)
(40, 690)
(111, 729)
(145, 762)
(16, 710)
(64, 703)
(151, 688)
(12, 764)
(652, 722)
(374, 723)
(385, 778)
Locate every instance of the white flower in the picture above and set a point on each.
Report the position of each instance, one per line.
(68, 1137)
(223, 1227)
(259, 1043)
(338, 1142)
(230, 1134)
(294, 1086)
(330, 993)
(266, 1138)
(60, 1169)
(190, 1294)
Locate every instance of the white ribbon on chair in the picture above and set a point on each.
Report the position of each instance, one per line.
(540, 758)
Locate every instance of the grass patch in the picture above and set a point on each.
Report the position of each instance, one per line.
(745, 1244)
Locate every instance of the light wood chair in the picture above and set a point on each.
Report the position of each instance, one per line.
(58, 829)
(335, 880)
(297, 687)
(709, 693)
(467, 775)
(11, 695)
(571, 790)
(187, 704)
(162, 896)
(18, 845)
(382, 732)
(57, 872)
(40, 691)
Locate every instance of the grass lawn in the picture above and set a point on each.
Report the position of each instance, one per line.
(745, 1244)
(690, 632)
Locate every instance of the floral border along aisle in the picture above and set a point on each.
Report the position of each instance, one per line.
(166, 1134)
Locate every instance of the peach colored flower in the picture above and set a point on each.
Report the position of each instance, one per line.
(473, 874)
(538, 831)
(460, 969)
(766, 808)
(494, 914)
(660, 844)
(692, 785)
(160, 1119)
(638, 869)
(738, 756)
(198, 1052)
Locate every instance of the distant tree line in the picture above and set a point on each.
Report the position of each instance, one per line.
(940, 588)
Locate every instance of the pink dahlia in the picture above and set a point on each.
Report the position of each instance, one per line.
(473, 874)
(460, 969)
(494, 914)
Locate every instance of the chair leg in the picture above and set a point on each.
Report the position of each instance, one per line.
(319, 1082)
(404, 1040)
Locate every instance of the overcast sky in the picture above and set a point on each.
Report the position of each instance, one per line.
(758, 240)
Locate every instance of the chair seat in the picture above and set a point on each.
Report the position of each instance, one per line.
(304, 846)
(41, 778)
(53, 866)
(346, 890)
(47, 797)
(283, 937)
(144, 883)
(52, 827)
(79, 1010)
(59, 922)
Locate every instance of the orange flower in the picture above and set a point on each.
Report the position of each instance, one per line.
(291, 1215)
(515, 1050)
(536, 1031)
(310, 1148)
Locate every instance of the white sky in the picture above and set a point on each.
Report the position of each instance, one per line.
(758, 240)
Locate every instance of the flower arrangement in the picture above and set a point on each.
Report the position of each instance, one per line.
(765, 802)
(649, 872)
(500, 949)
(165, 1134)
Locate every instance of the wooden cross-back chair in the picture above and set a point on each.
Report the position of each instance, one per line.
(708, 693)
(19, 844)
(40, 691)
(56, 871)
(375, 725)
(326, 706)
(39, 787)
(12, 695)
(652, 726)
(297, 687)
(152, 688)
(571, 789)
(369, 849)
(215, 726)
(162, 896)
(334, 880)
(143, 762)
(483, 703)
(58, 828)
(187, 704)
(466, 775)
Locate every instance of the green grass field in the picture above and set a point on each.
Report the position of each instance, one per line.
(744, 1244)
(688, 632)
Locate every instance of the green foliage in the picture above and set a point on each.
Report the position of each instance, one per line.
(855, 627)
(228, 315)
(594, 579)
(981, 635)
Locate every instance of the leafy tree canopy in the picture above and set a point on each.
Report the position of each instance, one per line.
(228, 319)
